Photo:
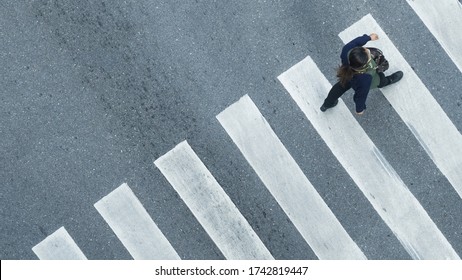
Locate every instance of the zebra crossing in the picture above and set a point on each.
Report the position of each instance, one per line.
(130, 221)
(371, 172)
(210, 204)
(287, 183)
(59, 246)
(444, 28)
(417, 107)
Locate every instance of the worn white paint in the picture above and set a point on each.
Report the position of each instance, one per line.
(132, 224)
(366, 165)
(416, 106)
(286, 182)
(444, 20)
(58, 246)
(212, 207)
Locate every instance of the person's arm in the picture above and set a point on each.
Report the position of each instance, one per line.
(361, 89)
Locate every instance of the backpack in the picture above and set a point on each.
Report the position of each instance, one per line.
(380, 60)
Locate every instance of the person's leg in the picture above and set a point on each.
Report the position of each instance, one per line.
(334, 94)
(384, 81)
(393, 78)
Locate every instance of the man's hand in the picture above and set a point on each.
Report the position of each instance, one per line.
(374, 36)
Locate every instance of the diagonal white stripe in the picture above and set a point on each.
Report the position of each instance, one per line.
(444, 19)
(58, 246)
(416, 106)
(366, 165)
(132, 224)
(212, 207)
(286, 182)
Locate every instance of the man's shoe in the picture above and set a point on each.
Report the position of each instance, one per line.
(395, 77)
(324, 108)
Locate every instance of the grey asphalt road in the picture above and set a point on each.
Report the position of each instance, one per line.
(94, 91)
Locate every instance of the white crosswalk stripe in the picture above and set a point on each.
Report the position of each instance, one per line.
(58, 246)
(286, 182)
(210, 204)
(416, 106)
(443, 18)
(366, 165)
(132, 224)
